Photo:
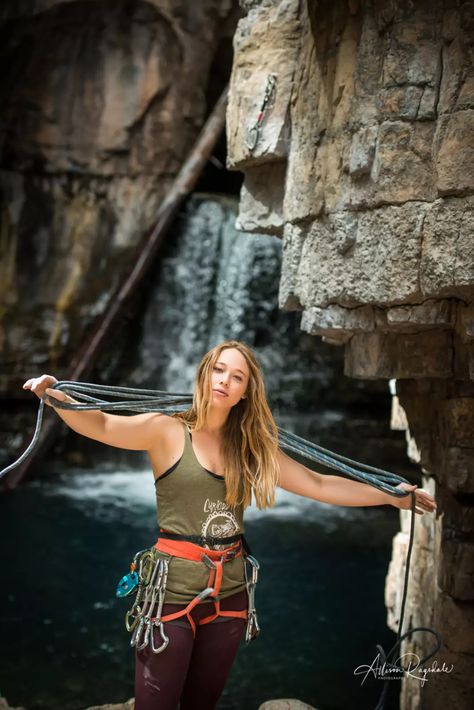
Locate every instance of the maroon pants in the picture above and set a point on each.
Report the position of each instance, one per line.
(191, 671)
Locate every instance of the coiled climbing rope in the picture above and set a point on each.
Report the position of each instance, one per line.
(108, 398)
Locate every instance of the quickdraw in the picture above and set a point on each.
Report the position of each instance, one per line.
(253, 133)
(253, 628)
(149, 583)
(148, 577)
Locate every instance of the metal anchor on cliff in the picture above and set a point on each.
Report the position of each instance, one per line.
(253, 133)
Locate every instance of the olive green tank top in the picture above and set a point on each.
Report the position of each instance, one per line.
(191, 501)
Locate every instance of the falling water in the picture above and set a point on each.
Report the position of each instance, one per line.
(216, 283)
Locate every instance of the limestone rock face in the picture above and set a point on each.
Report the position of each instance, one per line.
(364, 167)
(93, 132)
(363, 162)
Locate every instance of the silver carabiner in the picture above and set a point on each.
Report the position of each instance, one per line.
(252, 136)
(145, 558)
(253, 628)
(137, 633)
(146, 635)
(255, 567)
(164, 637)
(157, 623)
(128, 615)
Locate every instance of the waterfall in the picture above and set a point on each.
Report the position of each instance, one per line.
(215, 283)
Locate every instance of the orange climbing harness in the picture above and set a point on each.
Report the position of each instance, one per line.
(148, 577)
(214, 559)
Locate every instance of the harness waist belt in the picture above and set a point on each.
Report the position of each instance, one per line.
(206, 539)
(201, 539)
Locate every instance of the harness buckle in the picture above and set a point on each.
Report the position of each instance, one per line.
(205, 593)
(208, 562)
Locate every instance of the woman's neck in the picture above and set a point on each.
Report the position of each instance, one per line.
(216, 420)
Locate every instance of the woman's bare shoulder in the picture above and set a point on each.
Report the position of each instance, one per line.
(167, 428)
(167, 444)
(168, 422)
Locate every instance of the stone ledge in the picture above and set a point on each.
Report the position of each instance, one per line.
(378, 355)
(278, 704)
(335, 320)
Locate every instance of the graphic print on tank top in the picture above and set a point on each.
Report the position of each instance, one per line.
(220, 521)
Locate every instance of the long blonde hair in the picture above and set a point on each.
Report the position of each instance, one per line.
(250, 433)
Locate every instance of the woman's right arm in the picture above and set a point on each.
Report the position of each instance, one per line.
(139, 432)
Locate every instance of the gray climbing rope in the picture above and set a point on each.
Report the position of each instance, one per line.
(107, 398)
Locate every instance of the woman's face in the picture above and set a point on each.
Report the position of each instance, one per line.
(230, 375)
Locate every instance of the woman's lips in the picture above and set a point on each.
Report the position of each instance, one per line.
(222, 394)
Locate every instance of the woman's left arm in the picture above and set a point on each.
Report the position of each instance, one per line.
(299, 479)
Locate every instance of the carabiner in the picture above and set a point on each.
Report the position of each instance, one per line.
(164, 637)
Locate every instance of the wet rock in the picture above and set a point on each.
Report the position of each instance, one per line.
(5, 706)
(129, 705)
(285, 704)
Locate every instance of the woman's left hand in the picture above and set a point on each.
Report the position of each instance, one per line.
(424, 501)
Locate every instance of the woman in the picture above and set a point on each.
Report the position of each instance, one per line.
(207, 463)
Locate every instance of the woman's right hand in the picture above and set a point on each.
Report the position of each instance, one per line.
(40, 386)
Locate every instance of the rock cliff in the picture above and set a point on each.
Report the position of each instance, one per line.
(363, 164)
(101, 102)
